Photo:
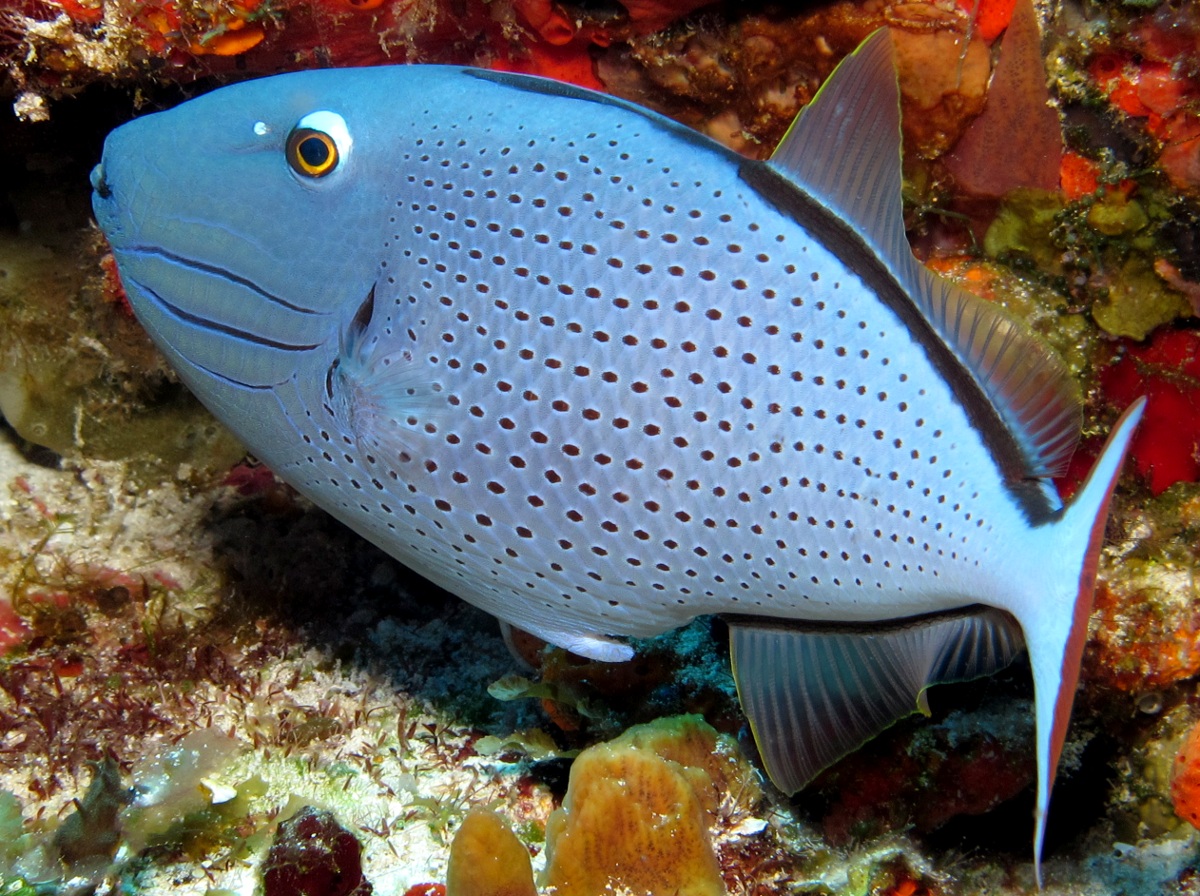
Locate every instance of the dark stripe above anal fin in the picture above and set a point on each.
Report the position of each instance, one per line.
(814, 693)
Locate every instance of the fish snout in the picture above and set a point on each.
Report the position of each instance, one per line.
(106, 205)
(99, 184)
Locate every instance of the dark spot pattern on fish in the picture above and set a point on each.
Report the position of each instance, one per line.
(608, 376)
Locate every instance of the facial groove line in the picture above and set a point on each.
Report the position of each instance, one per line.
(212, 325)
(224, 274)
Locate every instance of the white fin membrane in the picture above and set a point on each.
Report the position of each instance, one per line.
(384, 398)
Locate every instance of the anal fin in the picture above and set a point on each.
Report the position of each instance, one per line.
(816, 692)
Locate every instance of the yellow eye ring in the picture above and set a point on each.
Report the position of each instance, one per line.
(311, 153)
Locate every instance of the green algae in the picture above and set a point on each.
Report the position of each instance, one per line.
(1114, 215)
(1023, 228)
(1137, 302)
(1100, 249)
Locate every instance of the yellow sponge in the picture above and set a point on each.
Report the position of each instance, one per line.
(637, 813)
(636, 819)
(487, 859)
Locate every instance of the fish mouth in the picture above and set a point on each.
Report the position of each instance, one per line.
(99, 183)
(218, 304)
(144, 262)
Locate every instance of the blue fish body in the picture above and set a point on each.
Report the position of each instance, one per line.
(598, 375)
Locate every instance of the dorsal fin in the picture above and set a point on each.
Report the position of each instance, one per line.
(843, 150)
(1028, 385)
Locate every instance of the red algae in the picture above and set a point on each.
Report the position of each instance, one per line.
(990, 17)
(1150, 75)
(568, 62)
(1080, 177)
(1166, 448)
(547, 19)
(988, 161)
(652, 15)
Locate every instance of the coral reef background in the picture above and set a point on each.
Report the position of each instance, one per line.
(199, 673)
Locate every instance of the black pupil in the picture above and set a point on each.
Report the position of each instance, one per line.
(314, 151)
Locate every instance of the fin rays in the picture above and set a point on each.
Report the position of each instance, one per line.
(385, 399)
(838, 149)
(814, 694)
(1029, 387)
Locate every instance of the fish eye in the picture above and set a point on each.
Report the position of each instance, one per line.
(318, 144)
(311, 153)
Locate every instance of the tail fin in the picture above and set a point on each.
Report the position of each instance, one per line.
(1056, 638)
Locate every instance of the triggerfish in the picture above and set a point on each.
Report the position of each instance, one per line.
(599, 375)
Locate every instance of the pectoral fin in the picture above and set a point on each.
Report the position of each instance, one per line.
(384, 397)
(814, 693)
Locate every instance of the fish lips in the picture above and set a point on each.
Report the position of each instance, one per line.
(105, 206)
(116, 182)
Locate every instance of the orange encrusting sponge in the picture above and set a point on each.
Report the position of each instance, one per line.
(1185, 779)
